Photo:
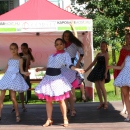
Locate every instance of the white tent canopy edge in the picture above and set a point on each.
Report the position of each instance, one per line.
(44, 25)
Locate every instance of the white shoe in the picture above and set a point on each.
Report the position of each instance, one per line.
(127, 119)
(124, 112)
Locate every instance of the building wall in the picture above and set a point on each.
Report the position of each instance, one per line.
(64, 4)
(15, 3)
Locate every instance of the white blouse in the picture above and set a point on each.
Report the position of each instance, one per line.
(73, 49)
(59, 60)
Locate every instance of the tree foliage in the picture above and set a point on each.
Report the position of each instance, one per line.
(110, 18)
(3, 7)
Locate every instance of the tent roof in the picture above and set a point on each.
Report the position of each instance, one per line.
(38, 10)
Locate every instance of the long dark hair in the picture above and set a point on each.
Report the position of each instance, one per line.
(29, 51)
(72, 38)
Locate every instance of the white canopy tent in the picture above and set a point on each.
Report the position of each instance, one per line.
(39, 23)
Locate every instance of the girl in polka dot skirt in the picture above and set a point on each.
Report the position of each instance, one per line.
(99, 74)
(123, 81)
(125, 51)
(54, 86)
(73, 46)
(13, 80)
(27, 57)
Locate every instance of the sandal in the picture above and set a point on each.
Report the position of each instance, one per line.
(48, 123)
(127, 119)
(100, 106)
(18, 119)
(105, 106)
(84, 98)
(73, 113)
(66, 123)
(124, 112)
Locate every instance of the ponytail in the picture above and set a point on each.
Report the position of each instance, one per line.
(30, 53)
(72, 39)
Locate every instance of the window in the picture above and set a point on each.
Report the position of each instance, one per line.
(4, 6)
(73, 2)
(56, 2)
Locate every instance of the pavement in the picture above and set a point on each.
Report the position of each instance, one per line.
(87, 118)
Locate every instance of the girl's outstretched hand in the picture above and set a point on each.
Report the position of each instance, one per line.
(81, 71)
(109, 67)
(78, 65)
(85, 70)
(26, 73)
(25, 77)
(37, 69)
(72, 23)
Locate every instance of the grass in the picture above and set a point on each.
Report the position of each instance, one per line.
(109, 88)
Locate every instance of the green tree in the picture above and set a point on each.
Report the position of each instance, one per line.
(110, 20)
(4, 5)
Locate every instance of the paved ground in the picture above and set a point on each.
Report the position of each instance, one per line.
(88, 118)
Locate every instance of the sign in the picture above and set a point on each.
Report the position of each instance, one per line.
(44, 25)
